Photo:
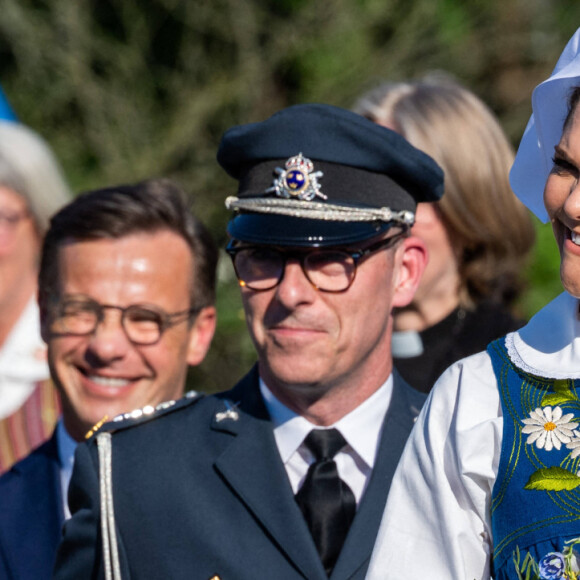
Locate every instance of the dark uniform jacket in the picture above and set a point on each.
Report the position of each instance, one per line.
(31, 515)
(201, 493)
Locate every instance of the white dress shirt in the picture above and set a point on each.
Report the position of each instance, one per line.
(66, 446)
(361, 429)
(437, 521)
(22, 361)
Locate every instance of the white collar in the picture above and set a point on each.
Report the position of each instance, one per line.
(361, 427)
(22, 360)
(66, 446)
(23, 355)
(549, 345)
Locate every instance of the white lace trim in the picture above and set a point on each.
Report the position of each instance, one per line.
(549, 345)
(519, 362)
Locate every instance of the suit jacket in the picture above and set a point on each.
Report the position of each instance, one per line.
(31, 515)
(200, 493)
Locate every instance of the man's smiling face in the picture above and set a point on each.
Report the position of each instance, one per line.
(104, 373)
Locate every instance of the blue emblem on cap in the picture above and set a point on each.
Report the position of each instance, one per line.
(298, 180)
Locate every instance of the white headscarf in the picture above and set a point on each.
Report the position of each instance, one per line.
(549, 107)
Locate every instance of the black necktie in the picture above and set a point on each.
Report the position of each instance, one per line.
(326, 501)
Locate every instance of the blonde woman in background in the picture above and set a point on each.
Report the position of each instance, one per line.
(478, 235)
(32, 188)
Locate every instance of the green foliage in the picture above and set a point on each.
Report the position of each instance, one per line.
(527, 569)
(553, 479)
(127, 89)
(543, 272)
(562, 394)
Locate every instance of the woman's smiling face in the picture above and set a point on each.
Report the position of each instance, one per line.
(562, 201)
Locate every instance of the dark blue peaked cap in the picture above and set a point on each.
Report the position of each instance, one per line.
(318, 175)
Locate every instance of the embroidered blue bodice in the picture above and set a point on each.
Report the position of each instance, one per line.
(536, 497)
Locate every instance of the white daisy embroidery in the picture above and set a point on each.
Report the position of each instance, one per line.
(548, 428)
(574, 445)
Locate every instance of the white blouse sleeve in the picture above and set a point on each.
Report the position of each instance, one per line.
(437, 519)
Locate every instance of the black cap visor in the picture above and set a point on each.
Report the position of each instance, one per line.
(281, 230)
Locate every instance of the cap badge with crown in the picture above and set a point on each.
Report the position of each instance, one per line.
(298, 180)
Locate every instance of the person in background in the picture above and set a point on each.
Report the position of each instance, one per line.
(488, 485)
(478, 236)
(127, 287)
(284, 476)
(32, 189)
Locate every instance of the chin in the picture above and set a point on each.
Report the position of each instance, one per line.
(292, 376)
(571, 282)
(296, 380)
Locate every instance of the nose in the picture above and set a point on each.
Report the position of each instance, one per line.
(109, 341)
(295, 288)
(572, 203)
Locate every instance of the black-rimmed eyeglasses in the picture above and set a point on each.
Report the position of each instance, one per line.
(143, 324)
(262, 268)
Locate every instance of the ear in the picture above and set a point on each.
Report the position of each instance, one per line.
(201, 334)
(410, 261)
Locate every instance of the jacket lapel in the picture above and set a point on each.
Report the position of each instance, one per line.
(35, 536)
(399, 420)
(252, 466)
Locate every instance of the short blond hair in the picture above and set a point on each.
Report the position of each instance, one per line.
(490, 230)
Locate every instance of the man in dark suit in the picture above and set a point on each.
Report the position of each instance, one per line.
(286, 475)
(126, 294)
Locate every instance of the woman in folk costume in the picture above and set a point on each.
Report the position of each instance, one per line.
(489, 483)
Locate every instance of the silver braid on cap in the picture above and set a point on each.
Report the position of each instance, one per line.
(319, 211)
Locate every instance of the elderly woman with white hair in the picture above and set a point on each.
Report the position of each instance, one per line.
(32, 188)
(489, 483)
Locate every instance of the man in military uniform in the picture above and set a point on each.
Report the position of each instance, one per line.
(286, 475)
(127, 282)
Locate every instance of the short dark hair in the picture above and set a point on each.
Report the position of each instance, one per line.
(115, 212)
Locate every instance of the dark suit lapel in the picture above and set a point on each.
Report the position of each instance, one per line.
(37, 533)
(399, 421)
(252, 466)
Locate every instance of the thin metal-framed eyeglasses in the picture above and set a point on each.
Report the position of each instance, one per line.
(262, 268)
(143, 324)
